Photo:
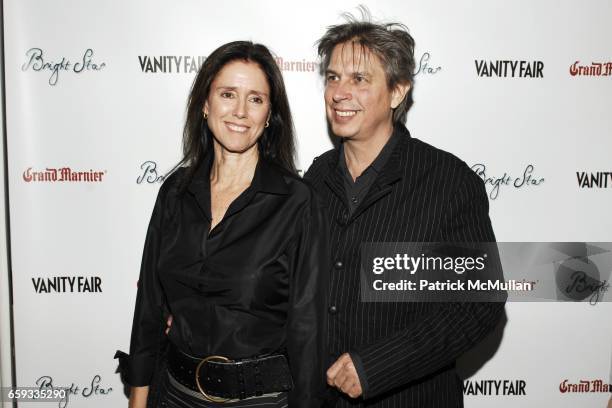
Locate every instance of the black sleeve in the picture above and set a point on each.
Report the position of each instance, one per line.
(306, 326)
(148, 339)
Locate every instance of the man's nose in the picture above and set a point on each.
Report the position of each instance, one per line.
(342, 92)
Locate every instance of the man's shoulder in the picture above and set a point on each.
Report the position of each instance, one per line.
(432, 154)
(321, 164)
(427, 157)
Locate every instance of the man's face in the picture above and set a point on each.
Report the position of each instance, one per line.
(358, 101)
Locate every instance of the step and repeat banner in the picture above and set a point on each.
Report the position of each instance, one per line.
(95, 102)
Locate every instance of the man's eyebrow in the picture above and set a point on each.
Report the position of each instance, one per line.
(353, 74)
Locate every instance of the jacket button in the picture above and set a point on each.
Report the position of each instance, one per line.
(343, 218)
(333, 310)
(338, 264)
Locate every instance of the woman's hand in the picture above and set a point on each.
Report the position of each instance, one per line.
(138, 397)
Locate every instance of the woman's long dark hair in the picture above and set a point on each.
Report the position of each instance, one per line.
(277, 142)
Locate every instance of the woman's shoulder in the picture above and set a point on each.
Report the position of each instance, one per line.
(301, 193)
(174, 179)
(296, 185)
(173, 185)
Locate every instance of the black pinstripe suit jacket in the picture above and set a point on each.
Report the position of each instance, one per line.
(405, 352)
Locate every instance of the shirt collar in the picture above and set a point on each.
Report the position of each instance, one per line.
(383, 157)
(268, 177)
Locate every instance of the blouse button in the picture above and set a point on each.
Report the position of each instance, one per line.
(333, 310)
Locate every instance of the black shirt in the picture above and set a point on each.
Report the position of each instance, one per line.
(357, 190)
(255, 284)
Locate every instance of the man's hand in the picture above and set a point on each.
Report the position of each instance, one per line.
(168, 324)
(343, 375)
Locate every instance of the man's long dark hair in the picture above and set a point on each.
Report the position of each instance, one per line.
(277, 142)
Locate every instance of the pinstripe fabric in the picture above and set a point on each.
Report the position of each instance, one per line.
(405, 351)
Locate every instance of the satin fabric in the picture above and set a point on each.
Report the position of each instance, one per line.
(253, 285)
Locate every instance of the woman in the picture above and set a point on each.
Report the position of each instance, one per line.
(235, 252)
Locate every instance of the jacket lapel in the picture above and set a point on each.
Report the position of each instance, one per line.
(333, 180)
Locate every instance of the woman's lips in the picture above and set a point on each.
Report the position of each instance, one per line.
(236, 128)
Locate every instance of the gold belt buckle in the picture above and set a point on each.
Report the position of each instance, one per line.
(210, 398)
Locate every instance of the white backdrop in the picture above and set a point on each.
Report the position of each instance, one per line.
(109, 115)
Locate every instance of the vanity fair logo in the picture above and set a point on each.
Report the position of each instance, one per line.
(170, 64)
(63, 174)
(91, 388)
(37, 61)
(509, 69)
(584, 386)
(599, 179)
(594, 69)
(494, 387)
(495, 183)
(67, 284)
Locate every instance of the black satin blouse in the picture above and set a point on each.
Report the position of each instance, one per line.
(255, 284)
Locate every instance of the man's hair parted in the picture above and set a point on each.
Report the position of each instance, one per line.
(390, 42)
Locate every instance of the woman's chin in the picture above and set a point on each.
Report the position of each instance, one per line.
(237, 148)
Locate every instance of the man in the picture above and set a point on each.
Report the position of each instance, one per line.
(382, 185)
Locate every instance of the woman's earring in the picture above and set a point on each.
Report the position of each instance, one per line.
(205, 115)
(267, 123)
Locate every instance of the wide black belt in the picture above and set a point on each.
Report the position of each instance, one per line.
(219, 379)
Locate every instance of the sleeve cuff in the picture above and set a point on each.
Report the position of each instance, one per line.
(363, 378)
(136, 372)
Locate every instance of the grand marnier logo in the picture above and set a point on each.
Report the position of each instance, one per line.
(37, 61)
(62, 174)
(592, 69)
(584, 386)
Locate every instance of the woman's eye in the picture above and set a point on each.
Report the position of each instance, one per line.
(227, 95)
(256, 99)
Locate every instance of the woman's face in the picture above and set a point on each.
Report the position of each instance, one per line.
(238, 106)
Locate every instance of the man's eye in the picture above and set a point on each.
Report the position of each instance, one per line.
(360, 78)
(331, 77)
